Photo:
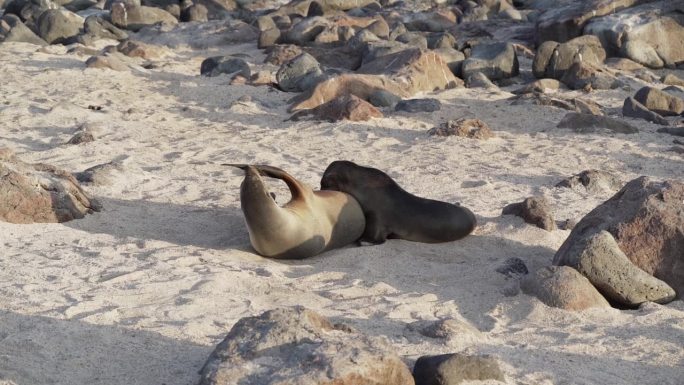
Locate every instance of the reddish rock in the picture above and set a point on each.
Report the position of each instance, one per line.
(646, 219)
(37, 193)
(534, 210)
(562, 287)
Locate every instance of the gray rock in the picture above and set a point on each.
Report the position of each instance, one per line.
(479, 80)
(676, 131)
(533, 210)
(593, 181)
(650, 34)
(633, 109)
(413, 39)
(306, 30)
(456, 368)
(563, 287)
(12, 29)
(588, 123)
(496, 61)
(40, 193)
(441, 40)
(59, 26)
(418, 105)
(99, 27)
(297, 74)
(553, 59)
(539, 86)
(134, 18)
(587, 76)
(298, 346)
(598, 257)
(377, 49)
(453, 57)
(218, 65)
(361, 39)
(659, 101)
(429, 22)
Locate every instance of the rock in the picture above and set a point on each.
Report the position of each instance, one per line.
(587, 123)
(441, 40)
(534, 210)
(281, 54)
(268, 38)
(633, 109)
(133, 48)
(12, 29)
(541, 85)
(415, 70)
(676, 131)
(623, 64)
(439, 21)
(646, 219)
(299, 74)
(195, 12)
(467, 128)
(568, 21)
(106, 61)
(554, 59)
(134, 18)
(298, 346)
(379, 28)
(418, 105)
(359, 42)
(562, 287)
(375, 49)
(335, 58)
(345, 107)
(413, 39)
(575, 104)
(453, 57)
(262, 78)
(218, 65)
(306, 30)
(39, 193)
(672, 80)
(449, 329)
(513, 267)
(598, 257)
(496, 61)
(456, 368)
(650, 34)
(103, 29)
(479, 80)
(218, 9)
(384, 98)
(586, 76)
(660, 102)
(59, 26)
(404, 74)
(81, 137)
(593, 181)
(100, 175)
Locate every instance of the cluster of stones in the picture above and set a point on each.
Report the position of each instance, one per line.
(298, 346)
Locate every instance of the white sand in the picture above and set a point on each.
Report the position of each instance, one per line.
(141, 292)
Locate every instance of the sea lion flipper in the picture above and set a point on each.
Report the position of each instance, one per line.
(297, 188)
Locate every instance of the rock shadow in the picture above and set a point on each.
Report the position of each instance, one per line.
(38, 350)
(213, 228)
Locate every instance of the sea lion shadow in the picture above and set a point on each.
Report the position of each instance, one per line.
(207, 227)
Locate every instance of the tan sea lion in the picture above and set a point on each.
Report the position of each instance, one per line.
(392, 212)
(310, 223)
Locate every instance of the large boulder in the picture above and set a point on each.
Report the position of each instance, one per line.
(660, 102)
(99, 27)
(299, 74)
(646, 218)
(562, 287)
(13, 29)
(134, 18)
(299, 346)
(553, 59)
(633, 109)
(651, 34)
(587, 76)
(33, 193)
(59, 26)
(568, 21)
(496, 61)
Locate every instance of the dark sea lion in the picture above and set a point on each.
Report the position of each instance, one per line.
(392, 212)
(310, 223)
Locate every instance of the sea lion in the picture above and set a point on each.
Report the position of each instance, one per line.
(310, 223)
(392, 212)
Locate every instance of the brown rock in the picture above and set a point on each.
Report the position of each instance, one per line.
(345, 107)
(594, 181)
(534, 210)
(36, 193)
(456, 368)
(672, 80)
(281, 54)
(299, 346)
(553, 59)
(647, 220)
(562, 287)
(659, 101)
(467, 128)
(583, 75)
